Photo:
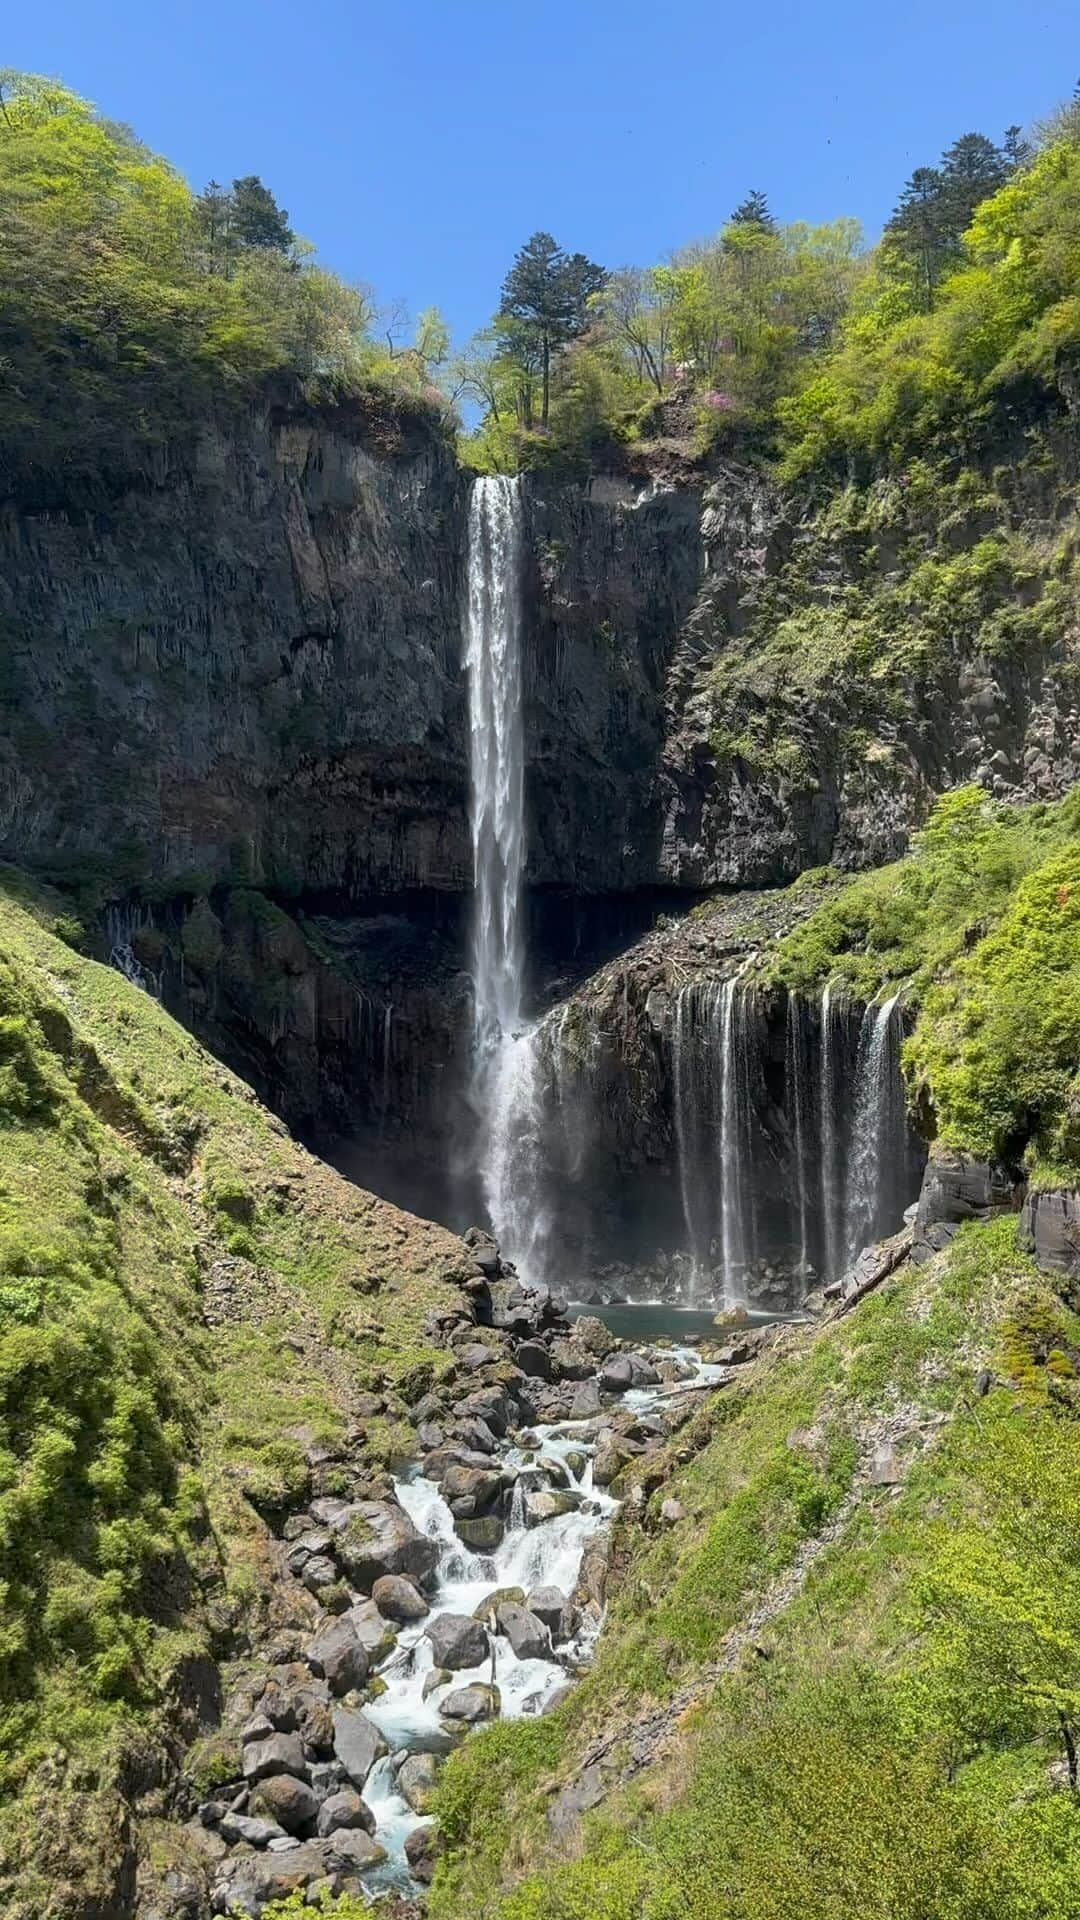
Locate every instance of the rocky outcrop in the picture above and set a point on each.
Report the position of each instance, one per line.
(1050, 1229)
(957, 1187)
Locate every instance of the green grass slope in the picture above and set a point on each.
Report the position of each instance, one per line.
(188, 1301)
(845, 1685)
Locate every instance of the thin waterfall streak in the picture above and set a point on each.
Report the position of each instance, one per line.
(735, 1096)
(831, 1196)
(796, 1075)
(874, 1132)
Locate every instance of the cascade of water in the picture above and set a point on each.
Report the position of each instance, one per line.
(697, 1061)
(832, 1186)
(877, 1139)
(737, 1225)
(797, 1081)
(506, 1081)
(121, 926)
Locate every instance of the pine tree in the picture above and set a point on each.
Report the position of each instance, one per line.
(753, 212)
(546, 296)
(257, 220)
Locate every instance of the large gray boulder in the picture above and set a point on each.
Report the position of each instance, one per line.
(377, 1537)
(527, 1635)
(552, 1608)
(357, 1743)
(1050, 1229)
(278, 1753)
(399, 1598)
(472, 1703)
(250, 1882)
(416, 1780)
(626, 1370)
(289, 1801)
(354, 1849)
(457, 1641)
(955, 1188)
(340, 1657)
(345, 1809)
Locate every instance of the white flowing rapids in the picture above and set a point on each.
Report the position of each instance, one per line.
(547, 1555)
(507, 1090)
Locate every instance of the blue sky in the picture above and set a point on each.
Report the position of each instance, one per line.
(418, 143)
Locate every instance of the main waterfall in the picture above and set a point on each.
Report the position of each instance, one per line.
(505, 1076)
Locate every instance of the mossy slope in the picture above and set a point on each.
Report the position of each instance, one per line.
(188, 1302)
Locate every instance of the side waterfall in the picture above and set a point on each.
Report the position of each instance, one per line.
(712, 1079)
(797, 1078)
(506, 1082)
(878, 1128)
(832, 1177)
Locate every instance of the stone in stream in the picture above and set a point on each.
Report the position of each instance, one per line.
(474, 1434)
(357, 1743)
(279, 1753)
(470, 1704)
(354, 1849)
(376, 1537)
(493, 1601)
(289, 1801)
(399, 1598)
(586, 1402)
(548, 1504)
(421, 1852)
(626, 1370)
(534, 1360)
(611, 1456)
(344, 1809)
(457, 1641)
(339, 1655)
(416, 1780)
(557, 1613)
(438, 1677)
(527, 1635)
(470, 1490)
(482, 1533)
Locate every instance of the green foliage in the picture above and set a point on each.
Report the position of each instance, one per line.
(125, 301)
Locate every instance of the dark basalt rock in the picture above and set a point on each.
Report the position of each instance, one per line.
(1050, 1229)
(957, 1188)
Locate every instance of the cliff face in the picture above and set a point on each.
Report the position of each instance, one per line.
(244, 664)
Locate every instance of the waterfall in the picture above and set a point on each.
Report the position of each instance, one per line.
(878, 1134)
(832, 1181)
(797, 1080)
(735, 1109)
(697, 1071)
(713, 1095)
(122, 925)
(507, 1083)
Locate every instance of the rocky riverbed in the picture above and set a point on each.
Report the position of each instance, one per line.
(468, 1585)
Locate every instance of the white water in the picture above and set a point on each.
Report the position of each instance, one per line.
(797, 1078)
(712, 1112)
(734, 1126)
(506, 1085)
(832, 1190)
(528, 1557)
(875, 1136)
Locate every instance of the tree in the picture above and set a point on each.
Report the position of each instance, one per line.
(546, 294)
(635, 309)
(256, 219)
(935, 208)
(753, 212)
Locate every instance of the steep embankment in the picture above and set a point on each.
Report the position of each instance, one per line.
(199, 1325)
(836, 1675)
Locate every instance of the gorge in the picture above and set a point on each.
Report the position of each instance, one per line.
(539, 1066)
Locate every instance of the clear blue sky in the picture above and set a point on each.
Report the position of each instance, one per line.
(417, 143)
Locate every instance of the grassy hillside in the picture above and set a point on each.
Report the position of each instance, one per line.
(840, 1688)
(188, 1304)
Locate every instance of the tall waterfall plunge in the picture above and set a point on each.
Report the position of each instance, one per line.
(506, 1087)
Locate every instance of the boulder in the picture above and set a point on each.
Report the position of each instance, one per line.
(278, 1753)
(527, 1635)
(438, 1677)
(482, 1533)
(354, 1849)
(422, 1852)
(956, 1187)
(370, 1628)
(289, 1801)
(554, 1611)
(592, 1573)
(255, 1880)
(457, 1641)
(253, 1830)
(611, 1456)
(339, 1655)
(626, 1370)
(319, 1573)
(344, 1809)
(377, 1537)
(470, 1704)
(1050, 1229)
(586, 1402)
(548, 1504)
(398, 1598)
(357, 1743)
(491, 1603)
(470, 1490)
(534, 1360)
(416, 1780)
